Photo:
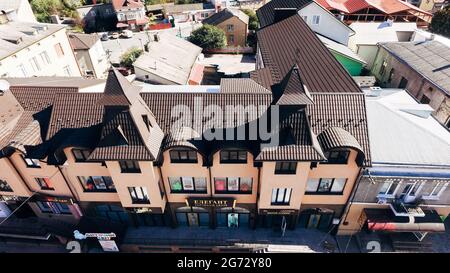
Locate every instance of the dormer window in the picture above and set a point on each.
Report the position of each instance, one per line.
(32, 163)
(147, 122)
(233, 156)
(183, 156)
(337, 157)
(81, 155)
(286, 167)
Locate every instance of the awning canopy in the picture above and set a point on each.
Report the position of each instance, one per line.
(385, 220)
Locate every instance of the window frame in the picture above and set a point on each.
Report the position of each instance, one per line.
(144, 192)
(82, 153)
(338, 161)
(183, 190)
(34, 162)
(228, 152)
(277, 193)
(7, 187)
(431, 196)
(179, 152)
(125, 168)
(398, 182)
(291, 170)
(227, 188)
(95, 185)
(313, 21)
(329, 192)
(43, 184)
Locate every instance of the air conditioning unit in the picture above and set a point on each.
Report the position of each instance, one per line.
(382, 201)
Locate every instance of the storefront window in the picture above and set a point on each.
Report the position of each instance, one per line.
(187, 184)
(232, 185)
(220, 184)
(200, 184)
(96, 183)
(246, 184)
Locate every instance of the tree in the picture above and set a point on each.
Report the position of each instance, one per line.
(440, 23)
(208, 37)
(43, 9)
(128, 58)
(252, 19)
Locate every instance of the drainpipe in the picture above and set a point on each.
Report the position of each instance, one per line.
(172, 224)
(352, 196)
(258, 190)
(72, 191)
(213, 210)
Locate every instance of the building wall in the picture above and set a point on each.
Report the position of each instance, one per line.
(150, 77)
(329, 26)
(72, 170)
(367, 53)
(99, 60)
(10, 65)
(240, 31)
(11, 176)
(349, 171)
(417, 85)
(25, 13)
(236, 170)
(353, 68)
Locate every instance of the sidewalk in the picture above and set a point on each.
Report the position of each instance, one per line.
(308, 239)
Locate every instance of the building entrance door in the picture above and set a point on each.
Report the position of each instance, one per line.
(192, 219)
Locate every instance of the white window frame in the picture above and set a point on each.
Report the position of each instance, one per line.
(314, 18)
(438, 195)
(384, 195)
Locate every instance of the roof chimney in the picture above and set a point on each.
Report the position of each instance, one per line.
(283, 13)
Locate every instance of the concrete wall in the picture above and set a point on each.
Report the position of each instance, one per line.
(12, 177)
(417, 85)
(93, 59)
(9, 65)
(240, 31)
(329, 26)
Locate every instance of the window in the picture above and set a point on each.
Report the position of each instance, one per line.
(285, 167)
(80, 155)
(129, 166)
(337, 157)
(281, 196)
(4, 186)
(53, 207)
(305, 18)
(325, 185)
(231, 39)
(22, 70)
(97, 183)
(436, 191)
(34, 64)
(383, 68)
(233, 156)
(230, 28)
(425, 99)
(44, 57)
(391, 75)
(183, 156)
(44, 183)
(316, 19)
(389, 188)
(139, 195)
(59, 50)
(66, 70)
(233, 185)
(32, 163)
(403, 83)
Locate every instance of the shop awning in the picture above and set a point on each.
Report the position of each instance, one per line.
(385, 220)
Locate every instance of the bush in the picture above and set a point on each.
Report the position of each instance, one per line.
(208, 37)
(129, 57)
(252, 19)
(440, 23)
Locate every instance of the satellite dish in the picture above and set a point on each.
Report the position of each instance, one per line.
(4, 85)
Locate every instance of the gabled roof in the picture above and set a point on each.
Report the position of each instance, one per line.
(318, 69)
(226, 14)
(126, 4)
(118, 90)
(80, 41)
(292, 91)
(431, 59)
(266, 13)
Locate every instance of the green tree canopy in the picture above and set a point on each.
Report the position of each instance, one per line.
(208, 37)
(43, 9)
(128, 58)
(252, 19)
(440, 23)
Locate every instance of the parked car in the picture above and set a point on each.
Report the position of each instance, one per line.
(104, 37)
(126, 34)
(114, 35)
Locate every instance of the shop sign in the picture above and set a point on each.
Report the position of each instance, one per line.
(109, 245)
(46, 198)
(279, 211)
(210, 202)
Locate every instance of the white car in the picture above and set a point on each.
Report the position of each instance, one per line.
(127, 34)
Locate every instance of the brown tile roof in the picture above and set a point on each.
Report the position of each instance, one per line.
(262, 76)
(126, 4)
(224, 15)
(241, 85)
(118, 90)
(266, 13)
(81, 41)
(291, 90)
(291, 42)
(346, 111)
